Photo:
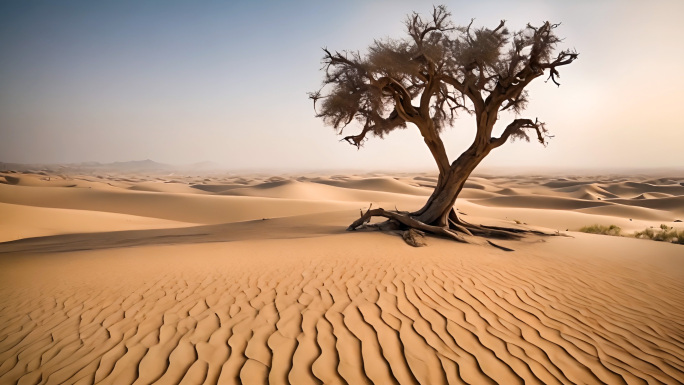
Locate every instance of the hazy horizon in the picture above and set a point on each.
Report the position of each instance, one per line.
(226, 83)
(210, 168)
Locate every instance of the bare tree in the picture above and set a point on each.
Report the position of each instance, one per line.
(426, 79)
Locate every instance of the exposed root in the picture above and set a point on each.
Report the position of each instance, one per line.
(504, 248)
(491, 231)
(413, 230)
(517, 231)
(459, 227)
(406, 221)
(414, 237)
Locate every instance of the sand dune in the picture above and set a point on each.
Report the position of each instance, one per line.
(216, 188)
(631, 212)
(46, 181)
(652, 196)
(20, 221)
(193, 208)
(635, 188)
(544, 202)
(586, 191)
(168, 279)
(477, 193)
(565, 183)
(672, 204)
(385, 184)
(324, 192)
(165, 187)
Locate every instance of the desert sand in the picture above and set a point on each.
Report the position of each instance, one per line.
(128, 278)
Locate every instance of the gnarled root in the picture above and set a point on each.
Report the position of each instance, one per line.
(414, 237)
(486, 231)
(401, 220)
(414, 229)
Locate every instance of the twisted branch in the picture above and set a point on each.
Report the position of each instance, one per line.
(516, 129)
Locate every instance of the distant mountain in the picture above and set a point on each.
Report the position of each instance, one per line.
(139, 165)
(146, 165)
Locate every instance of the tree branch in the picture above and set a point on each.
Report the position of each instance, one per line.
(357, 140)
(563, 58)
(419, 29)
(337, 58)
(426, 98)
(475, 98)
(374, 124)
(516, 129)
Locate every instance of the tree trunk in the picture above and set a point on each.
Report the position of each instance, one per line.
(440, 204)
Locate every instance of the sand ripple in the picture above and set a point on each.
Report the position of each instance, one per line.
(385, 320)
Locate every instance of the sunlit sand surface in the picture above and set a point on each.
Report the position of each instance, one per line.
(228, 279)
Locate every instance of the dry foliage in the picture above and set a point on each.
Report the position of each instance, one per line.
(601, 229)
(663, 234)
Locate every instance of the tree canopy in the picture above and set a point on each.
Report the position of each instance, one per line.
(449, 69)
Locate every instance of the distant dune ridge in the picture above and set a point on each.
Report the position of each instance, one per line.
(142, 274)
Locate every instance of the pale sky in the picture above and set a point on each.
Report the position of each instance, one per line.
(227, 82)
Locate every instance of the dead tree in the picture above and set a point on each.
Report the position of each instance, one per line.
(426, 79)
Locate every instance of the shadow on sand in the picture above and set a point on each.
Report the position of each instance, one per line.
(277, 228)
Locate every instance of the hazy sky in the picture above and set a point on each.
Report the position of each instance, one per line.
(183, 82)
